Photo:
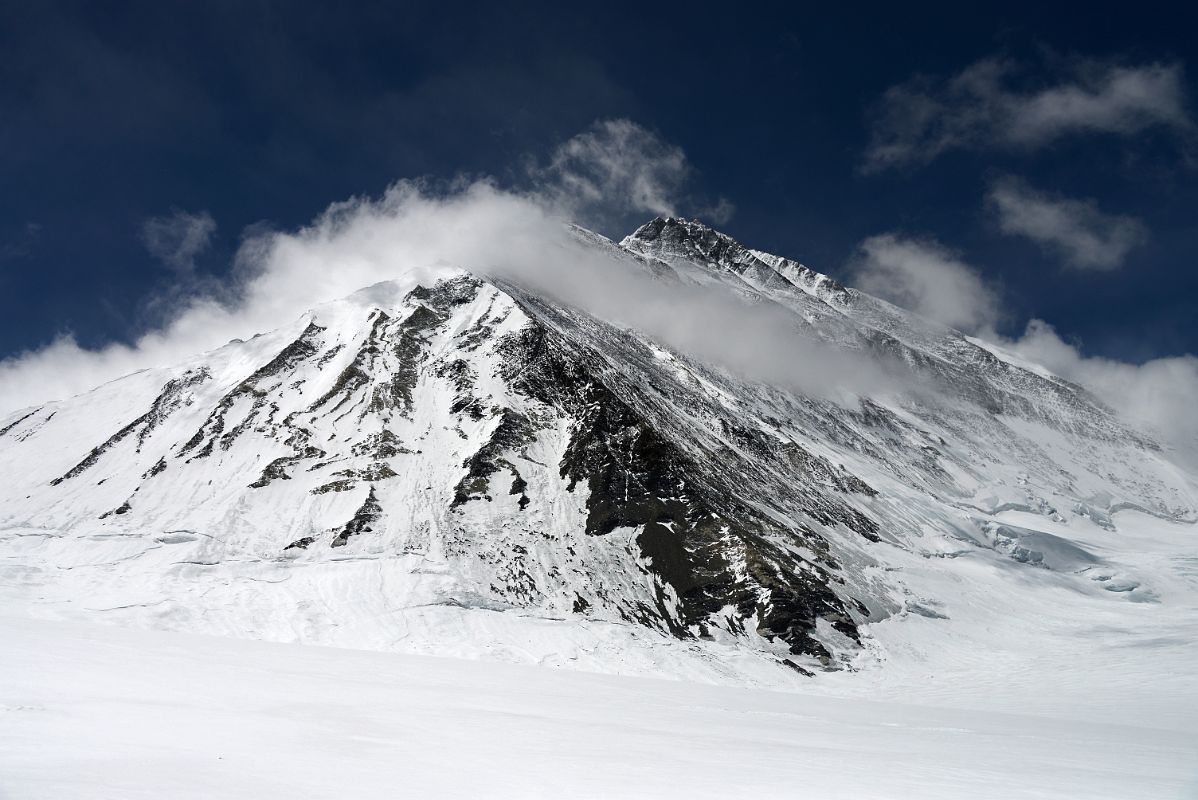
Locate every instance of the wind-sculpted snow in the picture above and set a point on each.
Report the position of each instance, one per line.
(475, 467)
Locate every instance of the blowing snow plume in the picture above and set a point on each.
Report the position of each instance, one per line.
(418, 229)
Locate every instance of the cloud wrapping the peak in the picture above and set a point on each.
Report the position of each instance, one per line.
(1085, 237)
(613, 169)
(411, 232)
(928, 278)
(418, 232)
(980, 108)
(178, 238)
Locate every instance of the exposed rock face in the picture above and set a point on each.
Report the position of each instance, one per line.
(171, 397)
(703, 539)
(474, 447)
(366, 515)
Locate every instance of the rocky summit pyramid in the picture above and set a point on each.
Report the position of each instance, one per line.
(471, 467)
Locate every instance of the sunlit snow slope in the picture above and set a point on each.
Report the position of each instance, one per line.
(471, 467)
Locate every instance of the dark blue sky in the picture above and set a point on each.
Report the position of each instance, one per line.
(114, 113)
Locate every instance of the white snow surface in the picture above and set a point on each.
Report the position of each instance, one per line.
(97, 712)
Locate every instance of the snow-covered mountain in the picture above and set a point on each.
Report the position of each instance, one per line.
(472, 467)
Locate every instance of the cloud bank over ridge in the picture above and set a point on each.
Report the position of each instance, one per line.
(419, 230)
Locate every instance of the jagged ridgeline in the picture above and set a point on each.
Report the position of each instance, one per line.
(476, 448)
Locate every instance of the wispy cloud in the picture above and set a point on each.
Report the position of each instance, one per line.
(983, 107)
(520, 235)
(1085, 237)
(613, 168)
(718, 213)
(617, 168)
(179, 238)
(20, 244)
(928, 278)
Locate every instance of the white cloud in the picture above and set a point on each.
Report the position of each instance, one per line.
(1103, 98)
(617, 168)
(978, 108)
(618, 161)
(416, 232)
(177, 239)
(925, 277)
(1077, 230)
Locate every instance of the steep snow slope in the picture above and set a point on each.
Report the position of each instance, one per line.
(475, 468)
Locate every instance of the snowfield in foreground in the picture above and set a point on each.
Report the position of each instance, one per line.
(89, 711)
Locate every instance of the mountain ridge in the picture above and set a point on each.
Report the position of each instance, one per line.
(476, 447)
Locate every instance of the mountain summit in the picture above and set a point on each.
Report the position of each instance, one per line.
(473, 467)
